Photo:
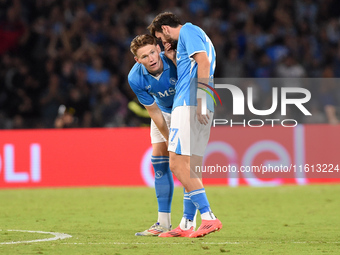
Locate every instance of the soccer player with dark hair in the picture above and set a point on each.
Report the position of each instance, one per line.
(190, 126)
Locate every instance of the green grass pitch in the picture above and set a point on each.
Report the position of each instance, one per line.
(273, 220)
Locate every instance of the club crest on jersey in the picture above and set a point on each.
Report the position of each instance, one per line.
(173, 81)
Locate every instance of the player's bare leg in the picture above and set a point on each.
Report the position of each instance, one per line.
(181, 166)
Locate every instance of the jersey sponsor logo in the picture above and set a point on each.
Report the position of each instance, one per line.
(169, 92)
(148, 87)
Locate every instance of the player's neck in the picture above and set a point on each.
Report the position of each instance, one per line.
(176, 31)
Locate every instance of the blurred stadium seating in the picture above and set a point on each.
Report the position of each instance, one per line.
(76, 53)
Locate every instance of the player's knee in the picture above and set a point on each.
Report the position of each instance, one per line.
(177, 165)
(173, 165)
(160, 149)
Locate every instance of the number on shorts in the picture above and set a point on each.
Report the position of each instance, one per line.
(175, 130)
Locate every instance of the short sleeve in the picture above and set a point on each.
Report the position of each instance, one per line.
(193, 40)
(143, 96)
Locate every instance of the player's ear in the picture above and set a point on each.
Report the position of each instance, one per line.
(136, 59)
(165, 29)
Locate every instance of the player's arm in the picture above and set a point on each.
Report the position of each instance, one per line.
(203, 72)
(203, 66)
(157, 116)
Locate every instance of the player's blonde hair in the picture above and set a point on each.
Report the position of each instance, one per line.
(140, 41)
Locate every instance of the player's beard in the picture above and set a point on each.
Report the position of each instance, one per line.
(174, 44)
(171, 41)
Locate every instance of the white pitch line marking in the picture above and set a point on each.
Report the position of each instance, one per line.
(118, 243)
(57, 236)
(144, 243)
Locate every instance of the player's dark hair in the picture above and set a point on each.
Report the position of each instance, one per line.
(140, 41)
(165, 18)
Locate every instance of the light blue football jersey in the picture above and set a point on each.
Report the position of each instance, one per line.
(149, 89)
(192, 39)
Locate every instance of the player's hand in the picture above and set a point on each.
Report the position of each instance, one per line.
(203, 119)
(169, 52)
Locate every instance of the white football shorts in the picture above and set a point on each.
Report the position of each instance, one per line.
(156, 135)
(187, 135)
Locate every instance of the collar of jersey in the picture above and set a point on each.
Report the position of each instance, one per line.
(165, 65)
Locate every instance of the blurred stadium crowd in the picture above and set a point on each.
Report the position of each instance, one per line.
(64, 63)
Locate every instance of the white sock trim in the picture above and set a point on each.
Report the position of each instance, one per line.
(208, 216)
(164, 219)
(186, 224)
